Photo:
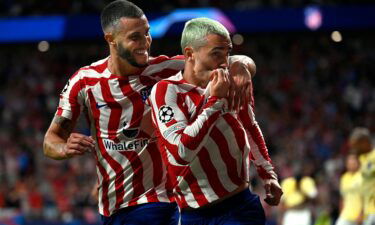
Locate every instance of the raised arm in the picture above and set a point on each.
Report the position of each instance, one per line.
(182, 136)
(241, 69)
(237, 62)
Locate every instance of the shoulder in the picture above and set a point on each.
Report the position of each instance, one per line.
(94, 70)
(162, 86)
(288, 182)
(164, 66)
(308, 181)
(288, 185)
(345, 177)
(169, 86)
(164, 58)
(372, 154)
(172, 80)
(368, 163)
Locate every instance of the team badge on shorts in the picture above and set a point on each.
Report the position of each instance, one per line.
(165, 114)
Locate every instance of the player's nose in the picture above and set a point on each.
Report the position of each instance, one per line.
(224, 65)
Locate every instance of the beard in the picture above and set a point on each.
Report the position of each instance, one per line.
(125, 54)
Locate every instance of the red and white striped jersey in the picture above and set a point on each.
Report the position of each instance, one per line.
(206, 147)
(129, 165)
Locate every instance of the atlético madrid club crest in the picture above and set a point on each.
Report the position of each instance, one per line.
(145, 92)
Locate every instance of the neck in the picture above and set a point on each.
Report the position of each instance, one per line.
(121, 67)
(192, 78)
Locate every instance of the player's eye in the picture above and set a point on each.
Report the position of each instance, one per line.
(134, 38)
(216, 54)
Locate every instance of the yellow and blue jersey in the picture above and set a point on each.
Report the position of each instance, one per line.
(294, 196)
(350, 184)
(368, 182)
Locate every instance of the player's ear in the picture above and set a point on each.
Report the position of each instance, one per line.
(189, 53)
(109, 37)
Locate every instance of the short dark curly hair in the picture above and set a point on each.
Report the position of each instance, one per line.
(115, 10)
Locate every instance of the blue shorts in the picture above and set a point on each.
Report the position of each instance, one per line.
(242, 208)
(157, 213)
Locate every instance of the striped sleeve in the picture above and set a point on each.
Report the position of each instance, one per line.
(70, 104)
(182, 138)
(258, 149)
(163, 67)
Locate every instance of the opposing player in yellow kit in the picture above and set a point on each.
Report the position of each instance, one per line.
(298, 191)
(350, 183)
(360, 141)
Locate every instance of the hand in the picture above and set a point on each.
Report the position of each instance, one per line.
(220, 83)
(241, 87)
(78, 144)
(95, 192)
(273, 192)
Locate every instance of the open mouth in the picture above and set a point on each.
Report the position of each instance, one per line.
(141, 52)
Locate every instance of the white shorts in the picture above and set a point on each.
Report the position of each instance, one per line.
(341, 221)
(370, 220)
(297, 217)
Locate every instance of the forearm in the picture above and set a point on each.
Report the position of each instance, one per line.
(258, 148)
(195, 135)
(56, 138)
(53, 147)
(185, 143)
(259, 151)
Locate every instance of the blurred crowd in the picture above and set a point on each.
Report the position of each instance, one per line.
(31, 184)
(309, 93)
(36, 7)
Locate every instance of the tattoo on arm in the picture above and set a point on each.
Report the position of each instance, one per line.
(65, 124)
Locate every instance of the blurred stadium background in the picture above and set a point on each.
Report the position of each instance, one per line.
(315, 82)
